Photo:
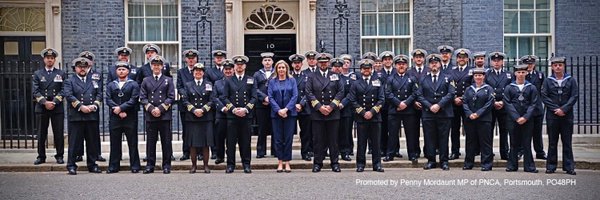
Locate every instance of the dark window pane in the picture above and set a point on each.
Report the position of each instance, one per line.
(526, 22)
(386, 24)
(369, 24)
(511, 22)
(136, 29)
(402, 24)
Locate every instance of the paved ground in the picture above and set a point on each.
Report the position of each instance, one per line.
(302, 184)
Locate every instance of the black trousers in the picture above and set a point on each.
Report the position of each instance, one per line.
(520, 136)
(538, 141)
(239, 134)
(436, 137)
(345, 136)
(78, 132)
(459, 115)
(418, 121)
(57, 130)
(117, 130)
(562, 128)
(395, 123)
(154, 129)
(384, 130)
(98, 145)
(306, 135)
(184, 148)
(366, 131)
(265, 127)
(500, 117)
(479, 137)
(220, 136)
(325, 136)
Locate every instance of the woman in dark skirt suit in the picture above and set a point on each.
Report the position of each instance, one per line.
(283, 93)
(198, 99)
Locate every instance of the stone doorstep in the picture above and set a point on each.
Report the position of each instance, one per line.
(296, 164)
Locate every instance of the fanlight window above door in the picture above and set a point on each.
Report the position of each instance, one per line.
(269, 17)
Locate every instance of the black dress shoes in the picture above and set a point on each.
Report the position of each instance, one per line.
(184, 157)
(485, 169)
(78, 158)
(571, 172)
(260, 156)
(148, 171)
(346, 157)
(135, 171)
(360, 169)
(100, 159)
(467, 167)
(388, 159)
(378, 169)
(60, 160)
(72, 171)
(306, 158)
(213, 157)
(247, 170)
(540, 156)
(453, 156)
(336, 168)
(111, 171)
(531, 171)
(398, 155)
(511, 170)
(445, 167)
(166, 171)
(316, 168)
(219, 161)
(429, 165)
(95, 170)
(229, 169)
(39, 161)
(145, 159)
(550, 171)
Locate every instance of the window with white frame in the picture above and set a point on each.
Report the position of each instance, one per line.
(386, 25)
(527, 28)
(153, 21)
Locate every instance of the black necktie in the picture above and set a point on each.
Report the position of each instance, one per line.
(83, 79)
(197, 83)
(419, 70)
(434, 78)
(240, 78)
(367, 80)
(324, 74)
(156, 78)
(401, 76)
(460, 69)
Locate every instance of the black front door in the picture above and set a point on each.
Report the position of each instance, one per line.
(19, 58)
(282, 45)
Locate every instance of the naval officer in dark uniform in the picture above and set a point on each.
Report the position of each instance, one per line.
(84, 96)
(221, 113)
(498, 78)
(215, 73)
(520, 98)
(198, 98)
(536, 78)
(185, 75)
(157, 94)
(47, 88)
(302, 106)
(400, 94)
(122, 95)
(560, 93)
(387, 60)
(367, 97)
(123, 54)
(263, 109)
(418, 70)
(239, 97)
(151, 50)
(477, 105)
(436, 93)
(346, 122)
(325, 91)
(462, 78)
(445, 52)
